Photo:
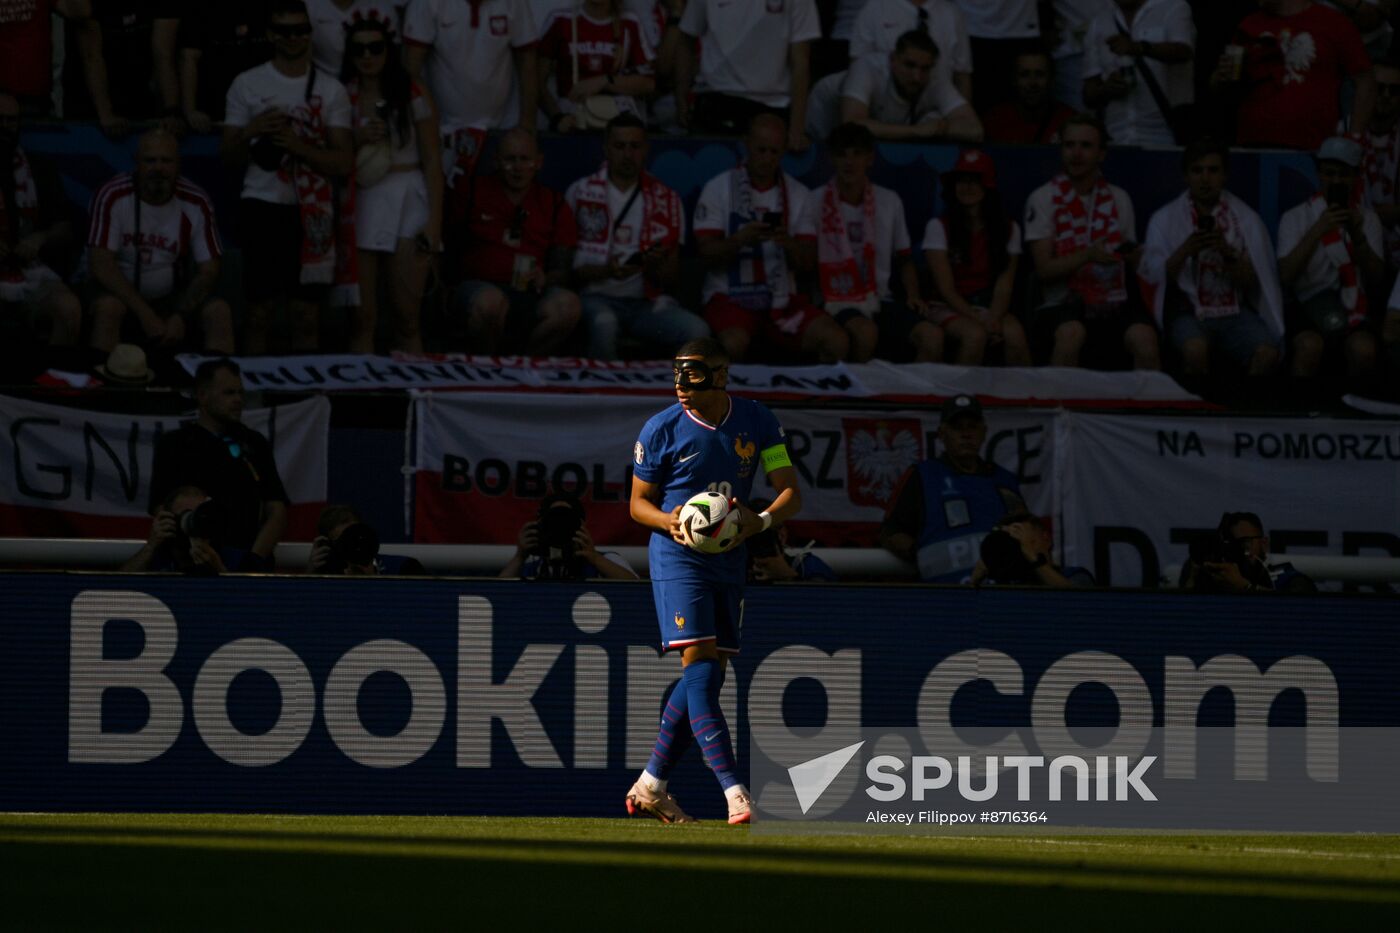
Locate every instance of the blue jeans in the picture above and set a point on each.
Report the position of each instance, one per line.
(661, 326)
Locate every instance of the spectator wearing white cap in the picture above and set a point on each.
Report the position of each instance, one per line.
(1330, 261)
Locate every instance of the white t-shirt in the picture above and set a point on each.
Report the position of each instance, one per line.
(869, 82)
(406, 146)
(1320, 274)
(1072, 19)
(1001, 19)
(936, 237)
(744, 44)
(328, 22)
(265, 88)
(470, 58)
(712, 217)
(1136, 119)
(891, 232)
(624, 238)
(882, 22)
(1040, 225)
(180, 229)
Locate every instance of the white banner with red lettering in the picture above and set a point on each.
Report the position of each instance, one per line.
(75, 473)
(1135, 489)
(484, 462)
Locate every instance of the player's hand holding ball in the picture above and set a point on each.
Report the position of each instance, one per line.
(708, 524)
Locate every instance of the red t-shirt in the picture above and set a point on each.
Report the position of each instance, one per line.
(542, 220)
(597, 48)
(1004, 124)
(1293, 72)
(25, 47)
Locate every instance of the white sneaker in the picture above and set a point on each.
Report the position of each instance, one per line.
(642, 799)
(740, 808)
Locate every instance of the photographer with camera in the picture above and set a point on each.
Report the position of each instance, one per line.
(187, 536)
(1017, 553)
(771, 560)
(1234, 559)
(232, 462)
(558, 546)
(346, 546)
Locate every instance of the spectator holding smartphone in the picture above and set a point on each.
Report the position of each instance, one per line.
(1210, 264)
(745, 224)
(630, 230)
(398, 204)
(1330, 261)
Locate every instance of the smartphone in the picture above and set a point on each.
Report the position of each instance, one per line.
(773, 219)
(1206, 223)
(1124, 248)
(633, 260)
(1338, 195)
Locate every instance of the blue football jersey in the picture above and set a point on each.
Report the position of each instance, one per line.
(684, 455)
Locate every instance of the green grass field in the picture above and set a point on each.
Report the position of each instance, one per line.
(150, 872)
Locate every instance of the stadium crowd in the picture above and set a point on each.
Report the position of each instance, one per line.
(354, 130)
(387, 161)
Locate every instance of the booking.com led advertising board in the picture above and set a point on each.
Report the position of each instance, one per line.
(153, 693)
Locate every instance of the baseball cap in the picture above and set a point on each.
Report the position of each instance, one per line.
(1340, 149)
(962, 406)
(974, 162)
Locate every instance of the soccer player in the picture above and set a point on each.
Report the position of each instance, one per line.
(709, 441)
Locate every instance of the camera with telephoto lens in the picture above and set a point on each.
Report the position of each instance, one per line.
(1217, 548)
(560, 518)
(356, 546)
(266, 154)
(205, 521)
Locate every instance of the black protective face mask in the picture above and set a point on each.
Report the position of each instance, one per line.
(695, 375)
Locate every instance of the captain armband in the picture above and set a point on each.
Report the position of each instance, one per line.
(776, 457)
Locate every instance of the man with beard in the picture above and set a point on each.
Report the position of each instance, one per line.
(34, 232)
(944, 507)
(903, 97)
(153, 252)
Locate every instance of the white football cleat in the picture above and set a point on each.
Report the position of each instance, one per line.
(740, 808)
(642, 799)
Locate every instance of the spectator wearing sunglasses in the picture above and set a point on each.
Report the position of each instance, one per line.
(288, 125)
(332, 21)
(230, 462)
(398, 201)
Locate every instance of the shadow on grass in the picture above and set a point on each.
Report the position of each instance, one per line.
(75, 885)
(562, 855)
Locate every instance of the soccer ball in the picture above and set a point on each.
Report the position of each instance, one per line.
(708, 524)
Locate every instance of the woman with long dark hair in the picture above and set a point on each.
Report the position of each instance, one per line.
(398, 200)
(972, 251)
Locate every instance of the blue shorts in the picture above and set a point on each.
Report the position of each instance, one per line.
(1237, 336)
(693, 611)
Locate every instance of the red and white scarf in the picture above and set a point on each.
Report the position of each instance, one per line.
(1336, 246)
(328, 252)
(846, 282)
(1381, 173)
(660, 224)
(1216, 295)
(1098, 284)
(14, 228)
